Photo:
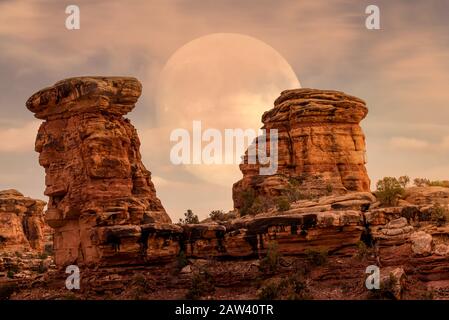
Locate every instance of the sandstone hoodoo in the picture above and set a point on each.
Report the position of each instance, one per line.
(321, 150)
(95, 179)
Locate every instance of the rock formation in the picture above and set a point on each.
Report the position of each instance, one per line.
(321, 149)
(95, 179)
(22, 223)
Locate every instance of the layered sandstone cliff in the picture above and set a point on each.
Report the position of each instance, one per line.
(321, 148)
(95, 179)
(22, 225)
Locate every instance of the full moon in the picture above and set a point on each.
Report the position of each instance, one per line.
(226, 81)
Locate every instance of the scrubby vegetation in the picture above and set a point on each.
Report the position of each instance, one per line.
(270, 263)
(317, 257)
(293, 287)
(283, 204)
(404, 181)
(389, 190)
(362, 250)
(190, 218)
(424, 182)
(439, 214)
(202, 284)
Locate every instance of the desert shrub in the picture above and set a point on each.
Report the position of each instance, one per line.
(217, 215)
(261, 204)
(421, 182)
(10, 274)
(271, 291)
(317, 257)
(283, 204)
(439, 214)
(293, 194)
(18, 254)
(141, 285)
(439, 183)
(389, 190)
(43, 255)
(404, 181)
(253, 204)
(362, 250)
(329, 188)
(248, 197)
(293, 287)
(270, 262)
(297, 288)
(202, 284)
(190, 218)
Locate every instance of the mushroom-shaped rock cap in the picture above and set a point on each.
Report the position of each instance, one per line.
(312, 105)
(114, 95)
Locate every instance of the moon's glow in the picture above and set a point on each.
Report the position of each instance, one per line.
(224, 80)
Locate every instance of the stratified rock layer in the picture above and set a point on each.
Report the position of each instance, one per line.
(321, 147)
(22, 223)
(95, 178)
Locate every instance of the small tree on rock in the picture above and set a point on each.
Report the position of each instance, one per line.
(190, 218)
(389, 190)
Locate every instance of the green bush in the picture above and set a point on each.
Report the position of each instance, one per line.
(297, 288)
(317, 257)
(271, 291)
(217, 215)
(43, 255)
(10, 274)
(202, 284)
(270, 262)
(404, 181)
(293, 287)
(421, 182)
(252, 204)
(283, 204)
(439, 183)
(389, 190)
(248, 197)
(362, 250)
(439, 214)
(190, 218)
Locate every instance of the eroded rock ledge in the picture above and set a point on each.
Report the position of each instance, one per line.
(104, 209)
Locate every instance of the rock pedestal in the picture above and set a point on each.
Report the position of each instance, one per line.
(321, 148)
(95, 179)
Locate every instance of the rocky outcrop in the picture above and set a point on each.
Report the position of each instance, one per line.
(321, 149)
(22, 226)
(95, 179)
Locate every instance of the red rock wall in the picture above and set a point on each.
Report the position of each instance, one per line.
(22, 225)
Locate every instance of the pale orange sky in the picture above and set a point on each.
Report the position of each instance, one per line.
(402, 71)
